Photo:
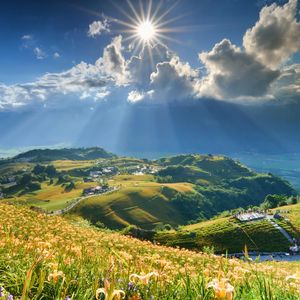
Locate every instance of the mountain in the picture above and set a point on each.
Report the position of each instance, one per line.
(187, 187)
(40, 155)
(146, 193)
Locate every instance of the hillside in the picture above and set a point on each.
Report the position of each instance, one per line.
(139, 200)
(229, 234)
(44, 257)
(39, 155)
(173, 190)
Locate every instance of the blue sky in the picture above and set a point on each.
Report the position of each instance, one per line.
(61, 26)
(71, 58)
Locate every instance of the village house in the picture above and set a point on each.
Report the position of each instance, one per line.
(95, 190)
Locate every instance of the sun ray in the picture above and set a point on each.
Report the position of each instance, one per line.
(149, 10)
(142, 12)
(153, 16)
(147, 25)
(161, 17)
(137, 16)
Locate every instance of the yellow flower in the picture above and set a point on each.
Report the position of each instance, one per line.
(144, 279)
(222, 289)
(55, 274)
(109, 293)
(295, 277)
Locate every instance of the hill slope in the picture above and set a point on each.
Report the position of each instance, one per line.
(44, 257)
(229, 234)
(139, 201)
(143, 202)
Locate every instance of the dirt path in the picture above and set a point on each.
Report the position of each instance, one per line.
(283, 231)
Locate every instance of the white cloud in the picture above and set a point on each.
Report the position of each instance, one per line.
(143, 65)
(102, 94)
(276, 35)
(26, 37)
(173, 80)
(113, 61)
(86, 80)
(39, 53)
(233, 73)
(287, 87)
(135, 96)
(98, 27)
(56, 55)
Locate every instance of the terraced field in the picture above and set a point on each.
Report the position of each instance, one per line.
(227, 234)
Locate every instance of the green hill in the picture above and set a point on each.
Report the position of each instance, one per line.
(212, 167)
(40, 155)
(174, 190)
(140, 201)
(220, 182)
(229, 234)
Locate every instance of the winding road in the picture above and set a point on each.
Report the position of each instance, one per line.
(79, 200)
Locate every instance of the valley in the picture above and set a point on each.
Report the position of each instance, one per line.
(162, 196)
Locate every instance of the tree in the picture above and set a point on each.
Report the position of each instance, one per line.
(38, 169)
(70, 186)
(273, 201)
(25, 179)
(50, 171)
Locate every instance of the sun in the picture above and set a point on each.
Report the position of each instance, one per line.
(145, 26)
(146, 31)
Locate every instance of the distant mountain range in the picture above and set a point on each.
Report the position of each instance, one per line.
(39, 155)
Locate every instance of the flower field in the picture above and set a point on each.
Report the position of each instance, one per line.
(45, 257)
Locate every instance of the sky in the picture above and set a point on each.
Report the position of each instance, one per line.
(151, 76)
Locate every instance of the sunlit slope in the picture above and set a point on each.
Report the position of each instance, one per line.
(209, 167)
(43, 257)
(139, 201)
(223, 182)
(227, 234)
(67, 165)
(291, 221)
(51, 196)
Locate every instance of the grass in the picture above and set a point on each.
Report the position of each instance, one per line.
(139, 201)
(11, 168)
(227, 234)
(52, 197)
(67, 165)
(291, 221)
(43, 257)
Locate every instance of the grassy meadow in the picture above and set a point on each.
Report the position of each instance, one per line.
(140, 200)
(51, 196)
(44, 257)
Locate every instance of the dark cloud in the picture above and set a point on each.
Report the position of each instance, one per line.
(233, 73)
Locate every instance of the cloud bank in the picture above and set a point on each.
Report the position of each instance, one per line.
(259, 70)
